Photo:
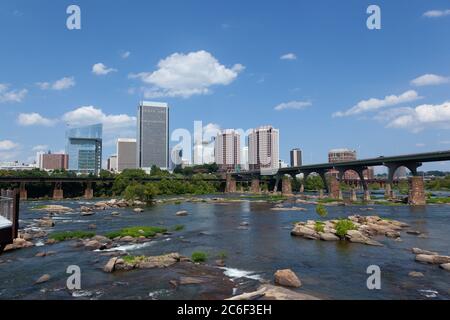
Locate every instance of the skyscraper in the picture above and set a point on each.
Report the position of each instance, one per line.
(263, 148)
(228, 150)
(84, 147)
(50, 161)
(296, 158)
(153, 135)
(111, 164)
(126, 154)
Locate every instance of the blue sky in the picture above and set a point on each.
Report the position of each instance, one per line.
(230, 63)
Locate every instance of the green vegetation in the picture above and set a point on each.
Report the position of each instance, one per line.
(133, 259)
(320, 226)
(178, 227)
(342, 226)
(321, 211)
(143, 192)
(442, 200)
(199, 256)
(40, 207)
(69, 235)
(136, 232)
(442, 184)
(222, 255)
(328, 200)
(314, 183)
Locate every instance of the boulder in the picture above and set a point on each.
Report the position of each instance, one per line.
(357, 237)
(415, 274)
(433, 259)
(182, 213)
(305, 232)
(42, 279)
(287, 278)
(190, 280)
(327, 236)
(46, 223)
(18, 244)
(421, 251)
(269, 292)
(138, 210)
(56, 209)
(127, 239)
(109, 267)
(445, 266)
(93, 244)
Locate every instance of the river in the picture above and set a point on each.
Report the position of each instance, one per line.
(329, 270)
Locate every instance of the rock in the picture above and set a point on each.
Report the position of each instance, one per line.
(220, 263)
(92, 227)
(46, 223)
(414, 232)
(41, 254)
(433, 259)
(326, 236)
(93, 244)
(416, 274)
(115, 214)
(54, 209)
(174, 283)
(18, 244)
(138, 210)
(244, 224)
(357, 237)
(101, 239)
(421, 251)
(85, 209)
(50, 241)
(163, 261)
(269, 292)
(190, 280)
(42, 279)
(127, 239)
(393, 234)
(109, 267)
(445, 266)
(302, 231)
(87, 213)
(182, 213)
(287, 278)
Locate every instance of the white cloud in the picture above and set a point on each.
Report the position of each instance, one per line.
(40, 147)
(289, 56)
(185, 75)
(91, 115)
(61, 84)
(296, 105)
(7, 145)
(437, 13)
(33, 119)
(126, 55)
(420, 117)
(100, 69)
(7, 95)
(375, 104)
(420, 145)
(429, 80)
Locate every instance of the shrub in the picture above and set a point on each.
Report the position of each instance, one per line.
(321, 210)
(342, 226)
(222, 255)
(178, 227)
(199, 256)
(320, 226)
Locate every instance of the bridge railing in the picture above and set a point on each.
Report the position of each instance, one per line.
(9, 209)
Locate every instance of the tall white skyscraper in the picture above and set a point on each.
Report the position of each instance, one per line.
(126, 154)
(153, 135)
(244, 159)
(228, 150)
(263, 148)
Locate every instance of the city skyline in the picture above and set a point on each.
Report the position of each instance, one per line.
(392, 82)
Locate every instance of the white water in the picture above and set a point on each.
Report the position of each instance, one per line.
(237, 274)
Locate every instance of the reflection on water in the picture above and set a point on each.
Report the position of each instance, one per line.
(256, 241)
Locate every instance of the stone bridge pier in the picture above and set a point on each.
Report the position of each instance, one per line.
(417, 195)
(286, 188)
(231, 186)
(58, 193)
(255, 186)
(23, 191)
(89, 191)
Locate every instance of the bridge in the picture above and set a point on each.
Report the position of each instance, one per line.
(58, 192)
(410, 161)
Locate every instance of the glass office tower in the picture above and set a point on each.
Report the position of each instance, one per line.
(84, 147)
(153, 135)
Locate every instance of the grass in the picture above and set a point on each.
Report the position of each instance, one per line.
(343, 226)
(39, 207)
(178, 227)
(328, 200)
(68, 235)
(178, 202)
(136, 232)
(320, 226)
(442, 200)
(133, 259)
(199, 256)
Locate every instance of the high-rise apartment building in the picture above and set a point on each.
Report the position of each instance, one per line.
(228, 150)
(84, 148)
(153, 135)
(111, 164)
(50, 162)
(126, 154)
(296, 158)
(263, 148)
(345, 155)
